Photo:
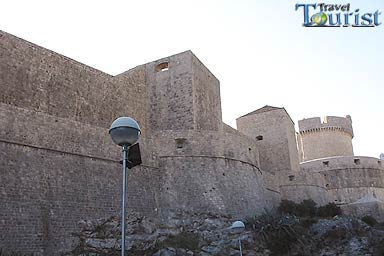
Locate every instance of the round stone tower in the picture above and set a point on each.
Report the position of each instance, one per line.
(332, 137)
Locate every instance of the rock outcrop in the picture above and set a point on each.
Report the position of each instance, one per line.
(206, 234)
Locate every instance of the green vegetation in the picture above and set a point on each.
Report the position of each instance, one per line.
(329, 210)
(307, 208)
(280, 233)
(287, 229)
(379, 226)
(369, 220)
(185, 240)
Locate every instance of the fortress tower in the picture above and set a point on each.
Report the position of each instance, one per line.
(274, 131)
(182, 94)
(332, 137)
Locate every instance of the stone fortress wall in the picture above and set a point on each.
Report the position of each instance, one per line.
(343, 180)
(349, 178)
(58, 164)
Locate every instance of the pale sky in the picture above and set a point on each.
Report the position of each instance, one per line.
(257, 49)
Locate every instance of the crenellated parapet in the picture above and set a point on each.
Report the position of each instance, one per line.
(330, 123)
(328, 138)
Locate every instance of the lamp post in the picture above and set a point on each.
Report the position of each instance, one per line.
(238, 227)
(125, 132)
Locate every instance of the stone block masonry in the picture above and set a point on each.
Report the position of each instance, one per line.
(59, 166)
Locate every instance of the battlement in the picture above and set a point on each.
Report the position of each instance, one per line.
(331, 137)
(335, 123)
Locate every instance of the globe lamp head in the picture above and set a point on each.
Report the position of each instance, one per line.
(125, 131)
(237, 226)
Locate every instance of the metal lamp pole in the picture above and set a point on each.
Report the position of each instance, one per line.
(125, 132)
(125, 158)
(241, 251)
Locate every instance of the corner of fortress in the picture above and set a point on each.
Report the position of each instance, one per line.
(58, 164)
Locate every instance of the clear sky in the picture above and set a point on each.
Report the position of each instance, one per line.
(259, 51)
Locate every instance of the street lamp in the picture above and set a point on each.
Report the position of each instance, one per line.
(125, 132)
(238, 227)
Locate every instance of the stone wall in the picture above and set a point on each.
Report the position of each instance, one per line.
(340, 180)
(207, 143)
(212, 184)
(170, 93)
(183, 93)
(211, 171)
(58, 164)
(207, 99)
(55, 172)
(41, 80)
(348, 179)
(299, 186)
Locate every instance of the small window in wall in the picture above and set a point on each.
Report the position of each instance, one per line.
(291, 177)
(379, 162)
(180, 142)
(326, 163)
(357, 161)
(260, 137)
(161, 67)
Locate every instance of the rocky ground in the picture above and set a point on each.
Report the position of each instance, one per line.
(205, 234)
